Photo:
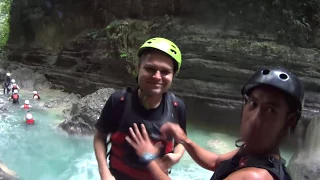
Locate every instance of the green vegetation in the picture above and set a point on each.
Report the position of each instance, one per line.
(117, 28)
(123, 55)
(4, 22)
(119, 33)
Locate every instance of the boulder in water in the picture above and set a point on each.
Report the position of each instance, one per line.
(84, 114)
(6, 173)
(62, 102)
(3, 109)
(306, 163)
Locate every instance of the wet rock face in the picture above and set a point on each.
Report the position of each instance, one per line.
(27, 78)
(81, 48)
(305, 165)
(84, 113)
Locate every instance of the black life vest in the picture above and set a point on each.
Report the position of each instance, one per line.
(243, 160)
(14, 87)
(122, 156)
(36, 96)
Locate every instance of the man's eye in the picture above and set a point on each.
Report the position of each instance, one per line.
(165, 72)
(271, 110)
(252, 104)
(149, 69)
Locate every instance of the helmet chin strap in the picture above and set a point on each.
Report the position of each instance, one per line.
(144, 99)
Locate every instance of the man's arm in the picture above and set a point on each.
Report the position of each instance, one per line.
(179, 149)
(99, 143)
(205, 158)
(201, 156)
(157, 172)
(105, 125)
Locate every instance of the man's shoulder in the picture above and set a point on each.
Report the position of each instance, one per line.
(117, 93)
(251, 173)
(122, 92)
(178, 100)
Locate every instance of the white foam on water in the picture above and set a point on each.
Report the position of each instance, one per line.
(83, 168)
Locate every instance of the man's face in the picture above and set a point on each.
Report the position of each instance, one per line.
(155, 73)
(264, 118)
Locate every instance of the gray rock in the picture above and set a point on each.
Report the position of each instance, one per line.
(305, 165)
(27, 78)
(66, 101)
(84, 114)
(3, 109)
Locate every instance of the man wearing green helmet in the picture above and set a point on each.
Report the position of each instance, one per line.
(150, 104)
(273, 102)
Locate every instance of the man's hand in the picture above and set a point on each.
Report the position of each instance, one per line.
(173, 130)
(141, 141)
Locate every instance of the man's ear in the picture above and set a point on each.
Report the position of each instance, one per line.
(292, 120)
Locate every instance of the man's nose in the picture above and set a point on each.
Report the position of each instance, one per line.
(255, 117)
(157, 75)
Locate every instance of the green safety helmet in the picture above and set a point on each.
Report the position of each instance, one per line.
(165, 46)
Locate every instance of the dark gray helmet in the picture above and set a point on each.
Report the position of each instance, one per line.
(279, 78)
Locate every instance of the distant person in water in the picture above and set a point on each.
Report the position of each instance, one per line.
(14, 97)
(36, 95)
(7, 84)
(273, 102)
(26, 105)
(150, 103)
(14, 86)
(29, 118)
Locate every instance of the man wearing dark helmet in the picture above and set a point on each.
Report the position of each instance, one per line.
(273, 102)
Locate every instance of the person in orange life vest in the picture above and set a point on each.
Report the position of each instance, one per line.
(273, 103)
(14, 86)
(36, 95)
(29, 119)
(26, 105)
(150, 103)
(14, 97)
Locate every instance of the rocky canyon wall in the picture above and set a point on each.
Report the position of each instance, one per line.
(85, 45)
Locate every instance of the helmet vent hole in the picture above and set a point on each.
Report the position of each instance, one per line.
(265, 72)
(173, 46)
(283, 76)
(173, 51)
(149, 42)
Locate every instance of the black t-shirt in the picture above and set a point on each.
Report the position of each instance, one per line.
(109, 119)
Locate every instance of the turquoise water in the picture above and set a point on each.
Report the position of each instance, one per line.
(44, 152)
